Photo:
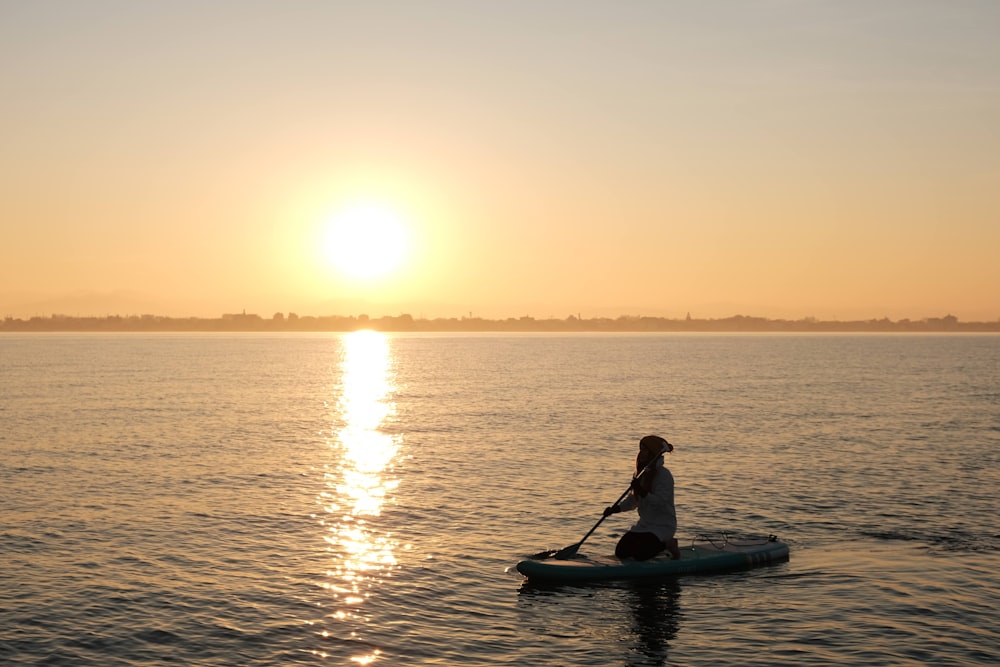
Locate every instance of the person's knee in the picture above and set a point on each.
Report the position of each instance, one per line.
(628, 546)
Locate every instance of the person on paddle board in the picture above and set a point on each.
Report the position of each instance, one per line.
(652, 493)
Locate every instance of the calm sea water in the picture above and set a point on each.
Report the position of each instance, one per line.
(361, 499)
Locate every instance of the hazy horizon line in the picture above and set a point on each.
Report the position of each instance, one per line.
(95, 303)
(280, 316)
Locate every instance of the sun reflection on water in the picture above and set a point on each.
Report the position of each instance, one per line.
(358, 483)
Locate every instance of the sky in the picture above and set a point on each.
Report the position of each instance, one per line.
(837, 159)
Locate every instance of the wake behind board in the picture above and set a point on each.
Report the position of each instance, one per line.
(703, 556)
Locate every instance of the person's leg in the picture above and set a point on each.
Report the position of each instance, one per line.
(628, 546)
(650, 545)
(640, 546)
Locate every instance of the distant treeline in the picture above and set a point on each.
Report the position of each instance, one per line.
(624, 323)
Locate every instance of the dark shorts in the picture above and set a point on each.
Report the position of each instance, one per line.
(640, 546)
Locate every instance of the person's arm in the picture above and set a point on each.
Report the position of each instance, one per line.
(629, 503)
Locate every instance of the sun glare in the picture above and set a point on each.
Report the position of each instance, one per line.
(366, 241)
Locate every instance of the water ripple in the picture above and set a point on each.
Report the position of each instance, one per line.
(219, 500)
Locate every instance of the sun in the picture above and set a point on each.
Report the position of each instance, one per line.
(366, 241)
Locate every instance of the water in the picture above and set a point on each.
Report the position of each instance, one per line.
(324, 499)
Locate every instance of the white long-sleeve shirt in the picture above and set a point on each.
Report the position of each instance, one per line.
(656, 509)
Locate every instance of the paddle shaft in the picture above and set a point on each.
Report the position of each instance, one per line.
(603, 517)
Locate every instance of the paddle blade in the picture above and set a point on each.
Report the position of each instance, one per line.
(558, 554)
(568, 552)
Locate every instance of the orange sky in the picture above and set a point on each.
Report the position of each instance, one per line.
(777, 158)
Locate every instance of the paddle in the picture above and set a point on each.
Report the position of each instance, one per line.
(570, 551)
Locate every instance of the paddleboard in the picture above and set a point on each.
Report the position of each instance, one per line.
(703, 556)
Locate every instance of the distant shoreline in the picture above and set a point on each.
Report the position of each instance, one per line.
(407, 323)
